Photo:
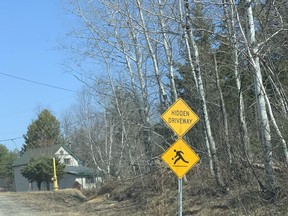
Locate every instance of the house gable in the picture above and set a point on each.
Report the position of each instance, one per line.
(66, 157)
(51, 151)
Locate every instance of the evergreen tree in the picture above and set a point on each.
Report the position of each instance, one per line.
(44, 131)
(41, 170)
(6, 172)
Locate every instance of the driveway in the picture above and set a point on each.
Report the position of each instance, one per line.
(9, 207)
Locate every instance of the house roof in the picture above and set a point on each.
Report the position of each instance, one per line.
(43, 151)
(79, 171)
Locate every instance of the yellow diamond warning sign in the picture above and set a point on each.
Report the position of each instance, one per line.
(180, 117)
(180, 157)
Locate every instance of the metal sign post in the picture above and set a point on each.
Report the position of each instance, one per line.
(180, 189)
(180, 157)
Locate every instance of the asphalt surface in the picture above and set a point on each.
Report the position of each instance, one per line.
(9, 207)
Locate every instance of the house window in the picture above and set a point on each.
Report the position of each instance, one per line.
(67, 161)
(90, 180)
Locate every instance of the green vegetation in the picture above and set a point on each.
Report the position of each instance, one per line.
(44, 131)
(41, 170)
(6, 172)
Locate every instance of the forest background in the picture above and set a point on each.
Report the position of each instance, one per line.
(226, 59)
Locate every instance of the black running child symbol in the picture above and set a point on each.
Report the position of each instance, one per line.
(179, 156)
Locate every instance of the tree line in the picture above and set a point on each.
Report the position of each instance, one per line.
(225, 58)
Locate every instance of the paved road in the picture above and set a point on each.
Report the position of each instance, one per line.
(8, 207)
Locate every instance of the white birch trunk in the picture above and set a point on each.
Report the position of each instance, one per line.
(143, 105)
(162, 92)
(250, 42)
(168, 53)
(260, 98)
(209, 154)
(242, 119)
(190, 62)
(279, 133)
(201, 91)
(224, 113)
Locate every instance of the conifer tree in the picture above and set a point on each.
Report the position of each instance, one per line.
(44, 131)
(41, 170)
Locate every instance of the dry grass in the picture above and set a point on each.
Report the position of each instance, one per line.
(156, 194)
(62, 202)
(72, 202)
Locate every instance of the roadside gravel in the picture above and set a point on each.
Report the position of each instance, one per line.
(10, 207)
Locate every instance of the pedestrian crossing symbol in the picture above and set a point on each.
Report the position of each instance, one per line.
(180, 157)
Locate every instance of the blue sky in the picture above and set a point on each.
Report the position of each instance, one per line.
(31, 31)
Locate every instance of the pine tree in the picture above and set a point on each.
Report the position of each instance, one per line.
(44, 131)
(41, 170)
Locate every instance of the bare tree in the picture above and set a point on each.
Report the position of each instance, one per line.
(152, 52)
(163, 98)
(252, 50)
(167, 45)
(201, 91)
(230, 17)
(224, 113)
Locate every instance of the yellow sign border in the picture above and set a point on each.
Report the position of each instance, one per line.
(187, 106)
(191, 151)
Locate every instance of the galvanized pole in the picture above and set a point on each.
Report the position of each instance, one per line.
(180, 196)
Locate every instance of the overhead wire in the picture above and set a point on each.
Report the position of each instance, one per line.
(38, 83)
(43, 84)
(34, 82)
(11, 139)
(69, 124)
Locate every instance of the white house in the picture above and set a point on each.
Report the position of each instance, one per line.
(75, 174)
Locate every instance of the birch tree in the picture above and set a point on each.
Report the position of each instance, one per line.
(229, 13)
(152, 52)
(252, 49)
(201, 91)
(163, 98)
(224, 113)
(167, 45)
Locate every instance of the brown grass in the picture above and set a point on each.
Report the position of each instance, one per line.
(157, 194)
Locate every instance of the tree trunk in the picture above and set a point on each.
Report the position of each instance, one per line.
(252, 49)
(190, 62)
(143, 105)
(224, 113)
(163, 95)
(168, 53)
(39, 185)
(274, 123)
(201, 92)
(48, 185)
(245, 140)
(260, 98)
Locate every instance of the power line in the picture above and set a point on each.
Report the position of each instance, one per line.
(43, 84)
(11, 139)
(39, 83)
(69, 124)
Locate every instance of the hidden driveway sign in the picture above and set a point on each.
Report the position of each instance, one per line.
(180, 158)
(180, 117)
